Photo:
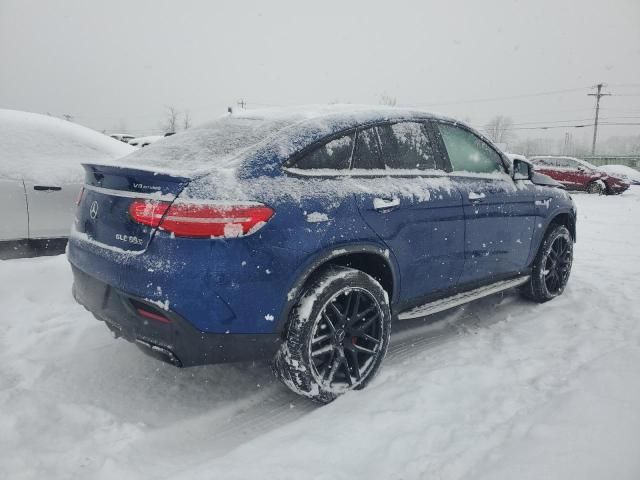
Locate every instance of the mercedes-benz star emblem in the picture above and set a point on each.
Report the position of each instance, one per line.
(93, 211)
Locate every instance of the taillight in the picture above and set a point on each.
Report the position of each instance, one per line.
(79, 199)
(201, 219)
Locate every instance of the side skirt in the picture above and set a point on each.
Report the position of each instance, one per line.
(461, 298)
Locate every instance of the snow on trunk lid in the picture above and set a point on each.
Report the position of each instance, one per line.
(103, 214)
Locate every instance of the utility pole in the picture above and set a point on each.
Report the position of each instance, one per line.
(598, 95)
(242, 103)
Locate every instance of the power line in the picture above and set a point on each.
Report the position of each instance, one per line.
(512, 97)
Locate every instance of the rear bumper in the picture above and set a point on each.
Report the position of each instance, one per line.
(163, 333)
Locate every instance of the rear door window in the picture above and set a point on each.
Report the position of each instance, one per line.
(406, 146)
(367, 154)
(468, 152)
(546, 162)
(334, 155)
(568, 164)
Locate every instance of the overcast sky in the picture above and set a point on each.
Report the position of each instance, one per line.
(117, 64)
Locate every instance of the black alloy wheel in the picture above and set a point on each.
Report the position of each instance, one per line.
(552, 266)
(337, 335)
(346, 339)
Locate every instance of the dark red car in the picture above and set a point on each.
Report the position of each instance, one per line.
(576, 174)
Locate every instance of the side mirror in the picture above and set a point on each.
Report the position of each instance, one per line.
(522, 170)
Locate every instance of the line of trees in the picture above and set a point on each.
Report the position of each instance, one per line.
(174, 119)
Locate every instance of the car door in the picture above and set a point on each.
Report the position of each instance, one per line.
(15, 219)
(577, 174)
(51, 207)
(499, 213)
(411, 207)
(548, 166)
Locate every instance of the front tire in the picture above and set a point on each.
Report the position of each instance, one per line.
(596, 188)
(337, 336)
(552, 266)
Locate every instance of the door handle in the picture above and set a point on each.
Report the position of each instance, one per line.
(44, 188)
(476, 197)
(385, 203)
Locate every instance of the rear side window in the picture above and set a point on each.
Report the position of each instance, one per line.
(334, 155)
(547, 162)
(567, 163)
(468, 152)
(367, 155)
(406, 146)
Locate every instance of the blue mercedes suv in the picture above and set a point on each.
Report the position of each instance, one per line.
(302, 235)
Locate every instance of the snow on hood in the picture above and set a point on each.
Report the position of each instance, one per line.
(33, 146)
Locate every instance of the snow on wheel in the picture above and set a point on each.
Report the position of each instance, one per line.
(337, 336)
(597, 187)
(552, 265)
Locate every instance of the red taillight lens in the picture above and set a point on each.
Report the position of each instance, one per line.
(148, 212)
(201, 220)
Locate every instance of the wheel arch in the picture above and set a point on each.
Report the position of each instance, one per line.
(374, 260)
(567, 219)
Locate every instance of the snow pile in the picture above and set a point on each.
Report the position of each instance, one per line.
(623, 172)
(499, 389)
(34, 146)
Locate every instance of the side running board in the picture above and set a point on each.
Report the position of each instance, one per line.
(461, 298)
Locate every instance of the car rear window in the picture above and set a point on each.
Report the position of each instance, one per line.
(214, 145)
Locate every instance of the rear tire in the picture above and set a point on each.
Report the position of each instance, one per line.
(552, 266)
(337, 336)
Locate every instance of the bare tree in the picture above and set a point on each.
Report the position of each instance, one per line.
(186, 120)
(171, 119)
(499, 129)
(386, 99)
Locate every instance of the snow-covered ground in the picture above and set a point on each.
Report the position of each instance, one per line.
(499, 389)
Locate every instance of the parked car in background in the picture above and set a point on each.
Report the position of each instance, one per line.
(145, 141)
(299, 235)
(623, 172)
(41, 176)
(539, 178)
(576, 174)
(123, 137)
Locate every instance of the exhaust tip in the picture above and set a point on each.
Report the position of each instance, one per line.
(161, 353)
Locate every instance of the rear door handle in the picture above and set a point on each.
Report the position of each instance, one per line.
(385, 203)
(476, 197)
(45, 188)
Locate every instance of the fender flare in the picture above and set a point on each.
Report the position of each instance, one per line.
(548, 220)
(326, 256)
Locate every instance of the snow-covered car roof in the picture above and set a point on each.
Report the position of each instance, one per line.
(582, 162)
(271, 135)
(33, 144)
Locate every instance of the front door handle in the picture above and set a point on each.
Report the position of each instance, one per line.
(45, 188)
(385, 203)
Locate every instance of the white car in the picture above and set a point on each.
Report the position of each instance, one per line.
(123, 137)
(628, 174)
(144, 141)
(41, 176)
